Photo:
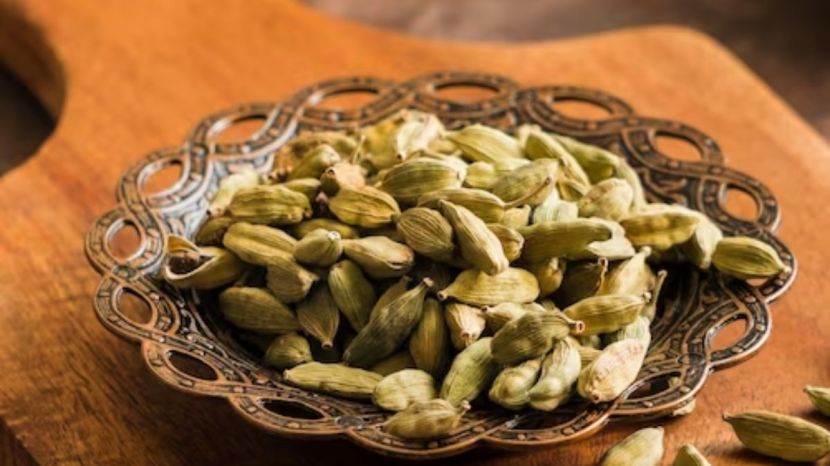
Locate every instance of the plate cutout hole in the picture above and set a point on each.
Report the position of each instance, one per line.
(654, 385)
(465, 93)
(740, 204)
(192, 366)
(291, 409)
(124, 243)
(162, 179)
(238, 131)
(728, 335)
(347, 100)
(581, 109)
(134, 307)
(677, 148)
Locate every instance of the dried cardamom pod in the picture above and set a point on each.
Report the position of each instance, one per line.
(587, 354)
(336, 379)
(257, 244)
(610, 199)
(747, 258)
(400, 389)
(479, 143)
(606, 313)
(531, 336)
(352, 292)
(343, 143)
(415, 136)
(510, 389)
(570, 190)
(540, 145)
(581, 280)
(632, 276)
(637, 330)
(379, 256)
(660, 228)
(388, 328)
(472, 371)
(554, 209)
(287, 351)
(429, 343)
(479, 246)
(426, 420)
(517, 217)
(688, 455)
(626, 172)
(820, 397)
(406, 182)
(642, 448)
(549, 274)
(269, 204)
(465, 323)
(321, 248)
(481, 175)
(289, 281)
(560, 369)
(684, 410)
(318, 315)
(650, 309)
(483, 204)
(591, 341)
(511, 240)
(598, 163)
(427, 232)
(365, 207)
(303, 228)
(531, 183)
(394, 363)
(189, 266)
(212, 231)
(314, 162)
(478, 288)
(392, 293)
(379, 139)
(439, 273)
(500, 314)
(780, 436)
(565, 239)
(442, 145)
(699, 248)
(342, 175)
(228, 187)
(610, 373)
(308, 187)
(257, 310)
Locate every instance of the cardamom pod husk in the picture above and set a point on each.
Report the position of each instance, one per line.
(426, 420)
(318, 315)
(780, 436)
(287, 351)
(478, 288)
(471, 372)
(429, 343)
(688, 455)
(336, 379)
(427, 232)
(465, 323)
(531, 336)
(478, 245)
(642, 448)
(379, 256)
(510, 388)
(747, 258)
(353, 292)
(394, 363)
(320, 248)
(257, 310)
(820, 397)
(560, 370)
(613, 371)
(400, 389)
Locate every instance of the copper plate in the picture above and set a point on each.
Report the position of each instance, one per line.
(191, 348)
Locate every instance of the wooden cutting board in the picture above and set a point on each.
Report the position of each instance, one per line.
(129, 77)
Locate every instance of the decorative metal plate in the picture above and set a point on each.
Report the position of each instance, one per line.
(178, 334)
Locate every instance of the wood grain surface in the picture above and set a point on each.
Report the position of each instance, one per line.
(139, 74)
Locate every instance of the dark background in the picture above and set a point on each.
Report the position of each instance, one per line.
(786, 42)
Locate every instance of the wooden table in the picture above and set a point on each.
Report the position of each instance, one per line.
(137, 75)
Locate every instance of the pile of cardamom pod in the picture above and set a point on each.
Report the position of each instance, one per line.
(420, 267)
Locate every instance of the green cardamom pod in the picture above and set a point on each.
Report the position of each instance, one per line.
(212, 231)
(660, 228)
(304, 228)
(257, 244)
(511, 240)
(394, 363)
(287, 351)
(481, 175)
(479, 143)
(559, 371)
(565, 239)
(398, 390)
(650, 309)
(540, 145)
(780, 436)
(510, 388)
(613, 371)
(626, 172)
(321, 248)
(342, 175)
(440, 274)
(581, 280)
(189, 266)
(336, 379)
(415, 136)
(289, 281)
(427, 232)
(257, 310)
(531, 336)
(479, 246)
(587, 354)
(407, 181)
(599, 164)
(429, 343)
(365, 207)
(269, 204)
(229, 186)
(426, 420)
(517, 217)
(318, 315)
(478, 288)
(820, 397)
(343, 143)
(606, 313)
(308, 187)
(531, 183)
(688, 455)
(699, 248)
(632, 276)
(465, 323)
(637, 330)
(483, 204)
(549, 274)
(747, 258)
(353, 292)
(471, 372)
(500, 314)
(610, 199)
(642, 448)
(554, 209)
(379, 256)
(314, 162)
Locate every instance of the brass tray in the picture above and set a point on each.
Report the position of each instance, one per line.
(191, 349)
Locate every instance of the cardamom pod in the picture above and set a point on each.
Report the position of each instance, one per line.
(287, 351)
(229, 186)
(606, 313)
(660, 228)
(599, 164)
(394, 363)
(439, 273)
(257, 310)
(479, 246)
(500, 314)
(388, 328)
(342, 175)
(189, 266)
(352, 292)
(554, 209)
(747, 258)
(688, 455)
(314, 162)
(780, 436)
(565, 239)
(637, 330)
(511, 240)
(531, 183)
(398, 390)
(289, 281)
(308, 187)
(427, 232)
(303, 228)
(212, 231)
(559, 371)
(442, 145)
(540, 145)
(610, 199)
(407, 181)
(650, 309)
(483, 204)
(257, 244)
(426, 420)
(392, 293)
(415, 136)
(632, 276)
(465, 323)
(318, 315)
(613, 371)
(549, 274)
(321, 248)
(820, 397)
(471, 372)
(531, 336)
(481, 175)
(581, 280)
(517, 217)
(626, 172)
(379, 256)
(587, 354)
(429, 343)
(698, 249)
(479, 143)
(478, 288)
(571, 190)
(343, 143)
(336, 379)
(591, 341)
(365, 207)
(510, 388)
(269, 204)
(379, 139)
(642, 448)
